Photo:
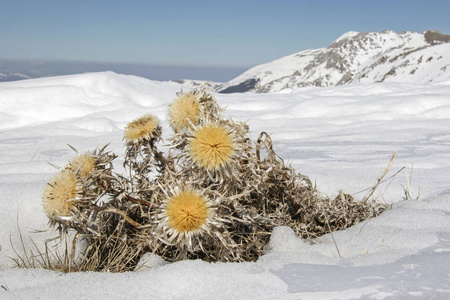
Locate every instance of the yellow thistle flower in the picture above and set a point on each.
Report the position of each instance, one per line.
(183, 111)
(59, 193)
(82, 164)
(186, 215)
(212, 147)
(143, 128)
(187, 211)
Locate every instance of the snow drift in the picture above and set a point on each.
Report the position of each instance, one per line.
(342, 137)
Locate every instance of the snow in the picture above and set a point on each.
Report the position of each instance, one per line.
(347, 35)
(354, 57)
(341, 137)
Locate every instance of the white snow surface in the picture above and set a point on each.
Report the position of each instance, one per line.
(341, 137)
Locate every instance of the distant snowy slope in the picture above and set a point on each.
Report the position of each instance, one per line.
(10, 76)
(354, 57)
(73, 96)
(429, 64)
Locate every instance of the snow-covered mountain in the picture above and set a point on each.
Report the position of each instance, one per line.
(10, 76)
(354, 57)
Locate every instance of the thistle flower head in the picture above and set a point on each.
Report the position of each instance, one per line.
(185, 215)
(212, 146)
(82, 164)
(59, 193)
(187, 211)
(183, 111)
(143, 128)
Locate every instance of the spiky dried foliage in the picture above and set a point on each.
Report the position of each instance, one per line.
(112, 256)
(79, 185)
(143, 159)
(212, 196)
(213, 152)
(98, 212)
(93, 170)
(291, 199)
(188, 221)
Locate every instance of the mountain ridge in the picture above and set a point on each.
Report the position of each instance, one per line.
(353, 57)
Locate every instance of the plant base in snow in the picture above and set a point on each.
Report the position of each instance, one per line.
(212, 196)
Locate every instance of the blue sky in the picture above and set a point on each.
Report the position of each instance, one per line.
(228, 33)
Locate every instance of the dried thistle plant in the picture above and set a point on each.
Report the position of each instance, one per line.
(141, 136)
(212, 196)
(142, 158)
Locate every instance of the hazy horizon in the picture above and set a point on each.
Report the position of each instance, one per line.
(46, 68)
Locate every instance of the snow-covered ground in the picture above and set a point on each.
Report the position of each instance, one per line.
(341, 137)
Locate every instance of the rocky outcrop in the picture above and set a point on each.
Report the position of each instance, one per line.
(434, 37)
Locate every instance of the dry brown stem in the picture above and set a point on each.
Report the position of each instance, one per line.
(372, 190)
(122, 214)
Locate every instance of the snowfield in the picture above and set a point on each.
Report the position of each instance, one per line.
(341, 137)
